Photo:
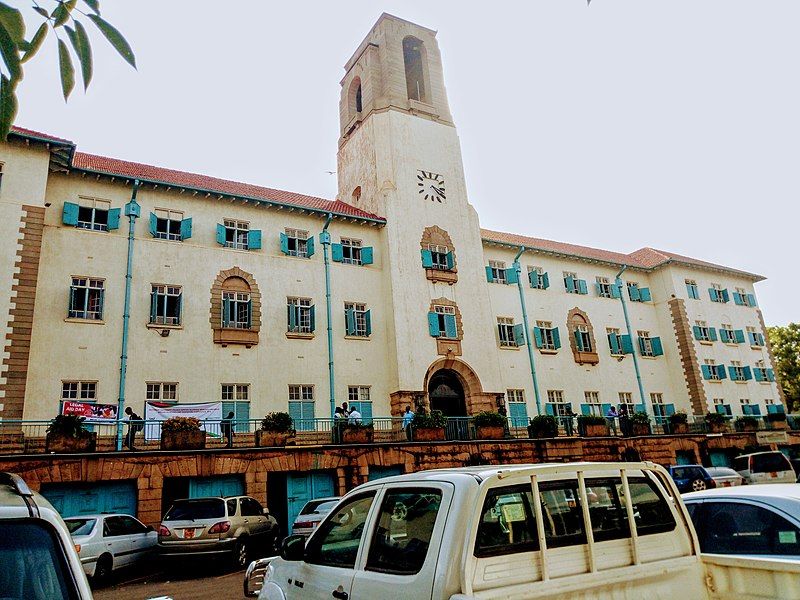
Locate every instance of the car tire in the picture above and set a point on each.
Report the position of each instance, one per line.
(698, 485)
(102, 571)
(241, 554)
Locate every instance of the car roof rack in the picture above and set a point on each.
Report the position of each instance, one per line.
(16, 483)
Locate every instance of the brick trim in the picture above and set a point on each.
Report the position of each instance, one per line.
(437, 236)
(247, 337)
(577, 317)
(781, 393)
(688, 356)
(459, 322)
(14, 371)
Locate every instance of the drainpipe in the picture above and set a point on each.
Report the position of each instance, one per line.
(618, 283)
(132, 211)
(517, 268)
(325, 239)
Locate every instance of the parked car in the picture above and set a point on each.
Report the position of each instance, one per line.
(691, 478)
(39, 561)
(110, 541)
(236, 526)
(724, 476)
(311, 515)
(752, 520)
(514, 531)
(765, 467)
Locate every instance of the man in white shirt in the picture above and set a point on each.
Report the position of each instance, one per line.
(354, 418)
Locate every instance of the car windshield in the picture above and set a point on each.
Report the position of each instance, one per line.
(33, 563)
(741, 463)
(316, 506)
(192, 510)
(80, 526)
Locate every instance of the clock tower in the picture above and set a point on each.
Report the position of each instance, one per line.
(400, 157)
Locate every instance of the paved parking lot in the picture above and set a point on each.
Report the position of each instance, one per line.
(181, 584)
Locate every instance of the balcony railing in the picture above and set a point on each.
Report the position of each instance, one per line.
(18, 436)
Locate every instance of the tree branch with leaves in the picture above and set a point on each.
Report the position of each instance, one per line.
(785, 344)
(61, 17)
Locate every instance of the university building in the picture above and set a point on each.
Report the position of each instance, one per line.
(228, 297)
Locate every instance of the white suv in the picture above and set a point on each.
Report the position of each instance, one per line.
(765, 467)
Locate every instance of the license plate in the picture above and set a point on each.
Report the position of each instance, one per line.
(188, 534)
(773, 474)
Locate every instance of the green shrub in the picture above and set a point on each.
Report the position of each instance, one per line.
(178, 424)
(71, 426)
(543, 426)
(745, 422)
(434, 420)
(591, 420)
(715, 418)
(277, 422)
(489, 418)
(777, 417)
(640, 418)
(679, 418)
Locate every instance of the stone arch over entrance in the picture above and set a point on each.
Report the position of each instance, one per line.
(452, 383)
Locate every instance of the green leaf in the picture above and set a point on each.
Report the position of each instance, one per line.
(94, 5)
(62, 12)
(42, 12)
(115, 38)
(80, 41)
(66, 68)
(35, 43)
(11, 20)
(8, 106)
(10, 53)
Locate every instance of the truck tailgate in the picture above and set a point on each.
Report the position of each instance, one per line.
(741, 578)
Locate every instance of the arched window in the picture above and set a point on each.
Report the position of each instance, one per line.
(357, 194)
(354, 100)
(235, 308)
(414, 60)
(583, 343)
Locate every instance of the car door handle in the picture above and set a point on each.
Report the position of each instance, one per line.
(340, 594)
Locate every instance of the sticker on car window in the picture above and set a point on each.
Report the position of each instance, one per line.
(787, 537)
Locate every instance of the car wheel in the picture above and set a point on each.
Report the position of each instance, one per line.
(698, 485)
(103, 569)
(240, 554)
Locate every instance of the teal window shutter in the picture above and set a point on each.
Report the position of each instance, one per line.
(739, 336)
(644, 294)
(296, 413)
(641, 345)
(723, 334)
(153, 306)
(760, 339)
(582, 289)
(698, 333)
(427, 259)
(450, 326)
(598, 290)
(365, 409)
(747, 409)
(556, 338)
(721, 371)
(511, 276)
(550, 409)
(350, 321)
(228, 407)
(366, 259)
(69, 215)
(312, 317)
(569, 284)
(226, 312)
(102, 298)
(450, 261)
(605, 408)
(771, 374)
(721, 409)
(368, 321)
(772, 409)
(186, 230)
(706, 371)
(336, 252)
(751, 300)
(725, 296)
(489, 276)
(633, 293)
(669, 409)
(291, 317)
(732, 372)
(310, 247)
(626, 343)
(713, 294)
(613, 343)
(748, 373)
(518, 412)
(578, 340)
(519, 335)
(759, 374)
(180, 308)
(242, 416)
(221, 234)
(249, 314)
(751, 337)
(712, 334)
(433, 324)
(113, 219)
(756, 410)
(615, 291)
(537, 336)
(533, 279)
(738, 299)
(153, 224)
(545, 281)
(253, 239)
(657, 346)
(284, 241)
(586, 409)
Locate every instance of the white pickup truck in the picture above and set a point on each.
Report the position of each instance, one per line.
(586, 530)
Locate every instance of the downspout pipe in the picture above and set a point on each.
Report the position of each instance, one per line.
(132, 211)
(618, 283)
(325, 239)
(516, 266)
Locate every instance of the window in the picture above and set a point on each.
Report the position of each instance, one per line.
(505, 331)
(122, 525)
(84, 391)
(592, 404)
(250, 507)
(738, 372)
(614, 340)
(93, 214)
(301, 407)
(86, 297)
(718, 294)
(299, 315)
(517, 409)
(442, 322)
(538, 279)
(236, 234)
(498, 271)
(560, 408)
(726, 334)
(236, 310)
(754, 337)
(720, 406)
(441, 257)
(626, 400)
(582, 338)
(645, 343)
(413, 61)
(546, 336)
(692, 289)
(704, 333)
(358, 397)
(569, 282)
(167, 224)
(712, 371)
(358, 321)
(762, 373)
(295, 242)
(351, 251)
(604, 287)
(637, 293)
(235, 392)
(403, 531)
(166, 302)
(508, 524)
(742, 528)
(742, 298)
(236, 400)
(336, 542)
(162, 392)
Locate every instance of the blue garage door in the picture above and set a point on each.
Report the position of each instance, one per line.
(302, 487)
(71, 499)
(222, 485)
(381, 472)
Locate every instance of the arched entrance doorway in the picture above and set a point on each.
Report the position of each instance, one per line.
(446, 393)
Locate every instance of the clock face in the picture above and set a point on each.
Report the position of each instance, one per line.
(431, 186)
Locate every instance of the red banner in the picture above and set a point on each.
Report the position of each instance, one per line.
(92, 412)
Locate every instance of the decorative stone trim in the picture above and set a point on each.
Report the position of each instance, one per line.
(447, 347)
(781, 393)
(239, 280)
(475, 399)
(577, 317)
(688, 356)
(14, 370)
(437, 236)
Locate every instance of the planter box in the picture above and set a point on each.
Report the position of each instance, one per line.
(678, 428)
(183, 440)
(780, 425)
(639, 429)
(357, 435)
(595, 430)
(490, 432)
(428, 434)
(271, 438)
(67, 445)
(747, 427)
(542, 432)
(717, 427)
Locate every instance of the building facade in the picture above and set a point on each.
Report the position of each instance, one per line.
(228, 284)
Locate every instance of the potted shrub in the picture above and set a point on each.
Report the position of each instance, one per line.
(490, 425)
(777, 420)
(182, 433)
(68, 433)
(716, 422)
(679, 423)
(428, 427)
(592, 425)
(746, 423)
(543, 426)
(640, 424)
(357, 433)
(276, 428)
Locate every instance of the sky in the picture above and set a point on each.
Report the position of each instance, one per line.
(622, 124)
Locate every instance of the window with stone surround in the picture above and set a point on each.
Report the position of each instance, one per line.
(86, 298)
(446, 317)
(235, 308)
(441, 257)
(438, 255)
(582, 338)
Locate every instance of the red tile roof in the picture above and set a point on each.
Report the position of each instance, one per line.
(21, 131)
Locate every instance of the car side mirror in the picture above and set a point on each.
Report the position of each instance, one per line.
(266, 512)
(293, 548)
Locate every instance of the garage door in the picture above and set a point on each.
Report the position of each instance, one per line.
(223, 485)
(302, 487)
(71, 499)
